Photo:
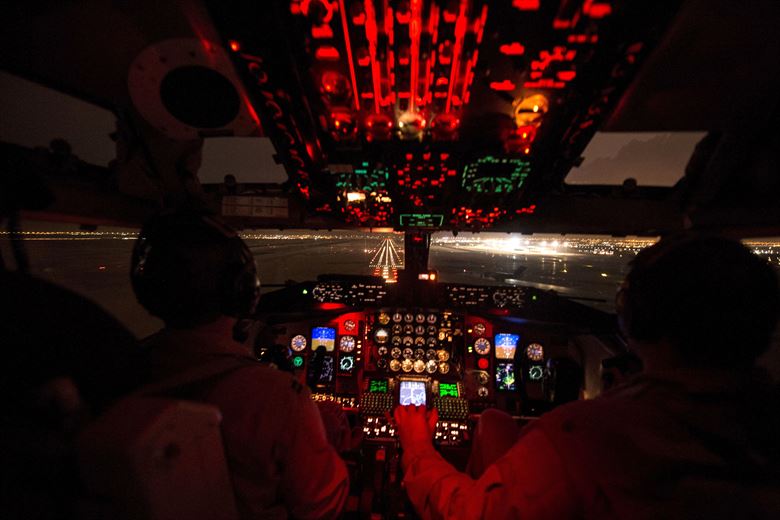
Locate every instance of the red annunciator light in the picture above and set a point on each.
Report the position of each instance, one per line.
(327, 53)
(526, 5)
(330, 306)
(502, 86)
(234, 46)
(596, 9)
(512, 49)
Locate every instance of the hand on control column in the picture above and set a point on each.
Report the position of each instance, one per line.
(415, 426)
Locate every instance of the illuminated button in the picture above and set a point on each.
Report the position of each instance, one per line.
(298, 343)
(419, 366)
(381, 336)
(383, 318)
(479, 329)
(483, 363)
(297, 361)
(407, 365)
(442, 335)
(395, 365)
(431, 366)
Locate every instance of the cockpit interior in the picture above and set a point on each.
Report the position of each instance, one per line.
(416, 119)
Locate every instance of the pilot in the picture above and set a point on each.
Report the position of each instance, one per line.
(693, 436)
(198, 276)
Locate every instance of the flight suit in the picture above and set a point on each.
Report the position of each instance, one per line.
(279, 459)
(677, 445)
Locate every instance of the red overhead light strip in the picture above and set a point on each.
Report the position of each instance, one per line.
(479, 29)
(512, 49)
(415, 29)
(461, 23)
(372, 36)
(526, 5)
(345, 28)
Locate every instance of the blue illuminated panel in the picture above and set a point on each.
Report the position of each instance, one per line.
(323, 336)
(506, 345)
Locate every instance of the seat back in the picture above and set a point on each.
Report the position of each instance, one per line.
(156, 459)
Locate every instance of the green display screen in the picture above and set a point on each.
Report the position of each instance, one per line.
(378, 386)
(448, 389)
(421, 220)
(297, 361)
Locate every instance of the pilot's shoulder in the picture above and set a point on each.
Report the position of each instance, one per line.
(266, 382)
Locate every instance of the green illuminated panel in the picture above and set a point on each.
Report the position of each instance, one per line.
(421, 220)
(495, 174)
(297, 361)
(448, 390)
(378, 386)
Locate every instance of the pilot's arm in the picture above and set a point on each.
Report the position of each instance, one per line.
(529, 481)
(314, 479)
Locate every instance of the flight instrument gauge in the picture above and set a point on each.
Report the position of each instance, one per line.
(432, 319)
(431, 366)
(420, 318)
(396, 341)
(396, 352)
(346, 364)
(419, 330)
(395, 365)
(408, 317)
(444, 367)
(407, 365)
(298, 343)
(383, 318)
(408, 353)
(381, 336)
(482, 346)
(419, 366)
(350, 325)
(478, 329)
(535, 352)
(347, 343)
(397, 317)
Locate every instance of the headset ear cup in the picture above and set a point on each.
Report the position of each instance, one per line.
(243, 291)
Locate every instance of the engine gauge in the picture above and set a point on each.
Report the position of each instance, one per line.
(408, 341)
(407, 365)
(483, 378)
(419, 353)
(383, 318)
(347, 343)
(350, 325)
(442, 334)
(419, 366)
(430, 354)
(444, 367)
(420, 318)
(408, 317)
(398, 329)
(395, 341)
(395, 365)
(397, 317)
(432, 330)
(432, 343)
(478, 329)
(381, 336)
(408, 330)
(419, 341)
(395, 352)
(298, 343)
(535, 352)
(482, 391)
(382, 351)
(442, 355)
(482, 346)
(408, 353)
(381, 364)
(432, 318)
(419, 330)
(535, 373)
(431, 366)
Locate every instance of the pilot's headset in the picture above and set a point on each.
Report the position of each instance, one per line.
(188, 268)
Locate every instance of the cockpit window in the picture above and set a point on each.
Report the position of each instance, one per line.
(247, 159)
(36, 116)
(651, 159)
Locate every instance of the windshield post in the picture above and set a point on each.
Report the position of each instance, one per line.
(417, 246)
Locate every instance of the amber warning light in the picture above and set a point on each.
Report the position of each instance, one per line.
(430, 276)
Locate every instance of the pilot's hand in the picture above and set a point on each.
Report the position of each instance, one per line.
(415, 426)
(336, 424)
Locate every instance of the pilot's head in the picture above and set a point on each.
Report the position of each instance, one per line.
(709, 298)
(188, 269)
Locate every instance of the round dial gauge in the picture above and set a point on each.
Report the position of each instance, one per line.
(535, 352)
(482, 391)
(347, 343)
(432, 318)
(398, 317)
(350, 325)
(419, 341)
(432, 330)
(407, 365)
(298, 343)
(381, 364)
(381, 336)
(383, 318)
(419, 330)
(408, 330)
(478, 329)
(382, 351)
(419, 366)
(419, 353)
(395, 365)
(346, 364)
(442, 335)
(535, 373)
(398, 329)
(444, 367)
(408, 341)
(396, 341)
(408, 317)
(420, 318)
(408, 353)
(395, 353)
(443, 355)
(483, 378)
(430, 354)
(431, 366)
(482, 346)
(432, 342)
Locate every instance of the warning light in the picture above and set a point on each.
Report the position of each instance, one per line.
(483, 363)
(305, 291)
(234, 46)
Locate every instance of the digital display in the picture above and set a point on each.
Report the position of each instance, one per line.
(327, 370)
(378, 386)
(323, 337)
(448, 390)
(346, 364)
(506, 345)
(412, 393)
(505, 376)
